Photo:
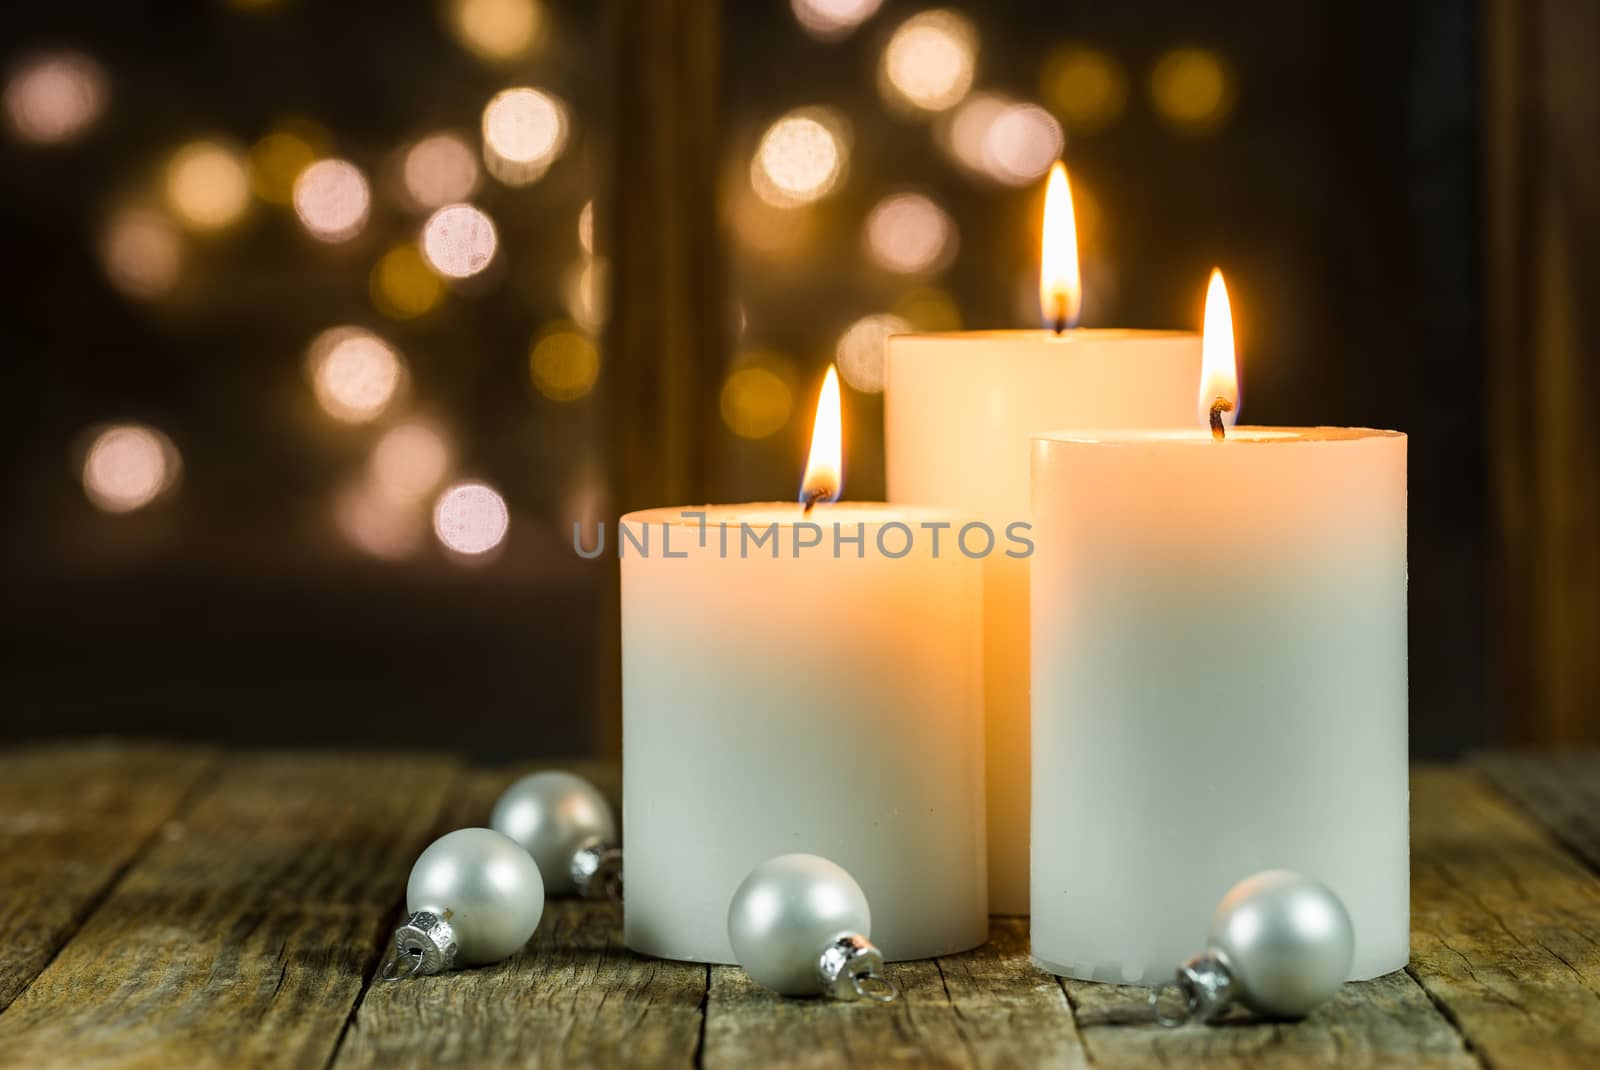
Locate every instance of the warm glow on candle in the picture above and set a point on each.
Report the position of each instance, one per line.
(1060, 286)
(824, 477)
(1219, 375)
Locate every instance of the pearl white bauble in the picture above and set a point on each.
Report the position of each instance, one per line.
(1288, 942)
(489, 886)
(554, 815)
(786, 913)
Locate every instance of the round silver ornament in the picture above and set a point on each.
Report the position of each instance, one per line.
(475, 896)
(567, 826)
(799, 925)
(1280, 943)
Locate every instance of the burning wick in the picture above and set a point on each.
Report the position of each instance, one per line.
(811, 497)
(1061, 320)
(1218, 407)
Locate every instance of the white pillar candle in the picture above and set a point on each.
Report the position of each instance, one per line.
(818, 692)
(958, 410)
(1219, 685)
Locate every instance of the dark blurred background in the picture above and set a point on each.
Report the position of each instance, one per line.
(326, 322)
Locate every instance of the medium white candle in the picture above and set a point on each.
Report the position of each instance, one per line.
(1219, 684)
(825, 699)
(958, 410)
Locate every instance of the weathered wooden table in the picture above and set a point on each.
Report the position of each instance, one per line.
(173, 907)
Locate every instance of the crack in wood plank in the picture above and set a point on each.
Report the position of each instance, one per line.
(573, 997)
(73, 818)
(258, 906)
(1505, 926)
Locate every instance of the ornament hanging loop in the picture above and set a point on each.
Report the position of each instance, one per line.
(875, 987)
(393, 970)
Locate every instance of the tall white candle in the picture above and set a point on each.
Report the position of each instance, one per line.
(1219, 685)
(958, 410)
(819, 691)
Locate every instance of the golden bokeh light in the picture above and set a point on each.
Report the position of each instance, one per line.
(756, 397)
(801, 158)
(208, 187)
(929, 62)
(833, 20)
(55, 98)
(1085, 86)
(1020, 144)
(332, 200)
(128, 466)
(1192, 89)
(283, 152)
(860, 351)
(354, 374)
(524, 130)
(377, 525)
(439, 169)
(470, 518)
(927, 308)
(564, 363)
(142, 252)
(909, 234)
(497, 31)
(586, 227)
(459, 241)
(583, 292)
(403, 286)
(409, 462)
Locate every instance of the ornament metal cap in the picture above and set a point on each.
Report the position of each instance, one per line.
(596, 871)
(852, 968)
(1206, 984)
(424, 944)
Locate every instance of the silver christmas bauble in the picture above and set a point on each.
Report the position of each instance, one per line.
(1287, 940)
(555, 816)
(787, 914)
(484, 888)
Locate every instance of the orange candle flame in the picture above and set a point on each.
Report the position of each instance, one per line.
(1060, 285)
(1218, 400)
(824, 478)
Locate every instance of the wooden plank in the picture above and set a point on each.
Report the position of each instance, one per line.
(987, 1008)
(1560, 789)
(1505, 926)
(1382, 1022)
(574, 997)
(242, 937)
(71, 817)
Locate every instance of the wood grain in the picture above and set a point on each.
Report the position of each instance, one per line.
(986, 1008)
(574, 997)
(1505, 926)
(242, 937)
(71, 817)
(1383, 1022)
(1561, 790)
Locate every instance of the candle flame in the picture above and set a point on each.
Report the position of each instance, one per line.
(1219, 373)
(1060, 285)
(824, 478)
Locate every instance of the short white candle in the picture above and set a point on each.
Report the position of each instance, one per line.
(958, 410)
(803, 701)
(1219, 685)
